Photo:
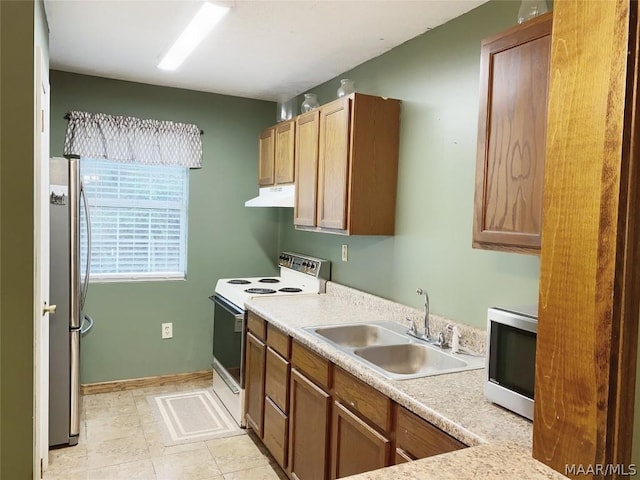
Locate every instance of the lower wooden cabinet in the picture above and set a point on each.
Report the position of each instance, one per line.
(417, 438)
(402, 457)
(356, 447)
(319, 421)
(308, 430)
(276, 400)
(276, 426)
(254, 383)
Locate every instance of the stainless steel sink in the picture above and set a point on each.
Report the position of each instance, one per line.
(361, 335)
(386, 348)
(410, 359)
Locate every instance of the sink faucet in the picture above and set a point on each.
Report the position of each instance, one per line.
(426, 335)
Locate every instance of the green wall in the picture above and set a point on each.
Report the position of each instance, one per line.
(225, 238)
(436, 76)
(22, 27)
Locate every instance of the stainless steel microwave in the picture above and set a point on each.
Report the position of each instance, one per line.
(511, 358)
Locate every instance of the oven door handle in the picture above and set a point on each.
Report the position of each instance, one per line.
(228, 306)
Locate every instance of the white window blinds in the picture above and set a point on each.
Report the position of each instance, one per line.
(138, 219)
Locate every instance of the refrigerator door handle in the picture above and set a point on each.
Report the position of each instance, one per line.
(85, 284)
(74, 417)
(74, 234)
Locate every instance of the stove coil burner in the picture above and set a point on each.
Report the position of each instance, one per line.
(290, 290)
(239, 282)
(261, 291)
(269, 280)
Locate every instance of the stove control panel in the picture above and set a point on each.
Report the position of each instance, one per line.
(314, 267)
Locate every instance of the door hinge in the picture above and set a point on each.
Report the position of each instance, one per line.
(42, 120)
(41, 468)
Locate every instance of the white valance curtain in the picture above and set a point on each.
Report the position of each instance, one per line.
(133, 140)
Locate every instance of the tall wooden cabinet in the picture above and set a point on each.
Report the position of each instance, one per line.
(514, 74)
(355, 147)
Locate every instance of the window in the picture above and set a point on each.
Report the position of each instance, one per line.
(138, 220)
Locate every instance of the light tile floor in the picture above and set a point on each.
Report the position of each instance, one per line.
(119, 441)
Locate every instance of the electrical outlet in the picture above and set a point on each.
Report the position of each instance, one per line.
(345, 253)
(167, 330)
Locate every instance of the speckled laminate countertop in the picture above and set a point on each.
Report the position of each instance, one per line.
(500, 440)
(453, 402)
(494, 461)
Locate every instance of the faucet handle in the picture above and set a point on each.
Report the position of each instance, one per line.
(455, 339)
(413, 329)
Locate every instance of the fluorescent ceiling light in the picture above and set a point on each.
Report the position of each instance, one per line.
(198, 28)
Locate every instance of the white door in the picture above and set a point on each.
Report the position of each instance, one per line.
(41, 273)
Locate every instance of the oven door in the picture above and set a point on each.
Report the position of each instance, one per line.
(228, 346)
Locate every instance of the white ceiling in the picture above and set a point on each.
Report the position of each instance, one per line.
(269, 50)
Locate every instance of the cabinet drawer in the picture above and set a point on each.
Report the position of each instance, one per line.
(313, 365)
(275, 432)
(279, 341)
(419, 439)
(257, 326)
(368, 401)
(277, 380)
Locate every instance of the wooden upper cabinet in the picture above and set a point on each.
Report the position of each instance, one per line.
(276, 160)
(266, 159)
(306, 167)
(333, 165)
(514, 77)
(355, 147)
(284, 148)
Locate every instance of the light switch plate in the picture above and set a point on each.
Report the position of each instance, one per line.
(345, 253)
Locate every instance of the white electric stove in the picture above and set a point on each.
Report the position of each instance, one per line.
(299, 275)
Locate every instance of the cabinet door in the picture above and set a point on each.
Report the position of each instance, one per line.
(275, 432)
(333, 165)
(285, 141)
(356, 447)
(254, 384)
(417, 438)
(306, 154)
(511, 137)
(308, 429)
(266, 159)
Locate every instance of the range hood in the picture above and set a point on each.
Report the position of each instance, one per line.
(280, 196)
